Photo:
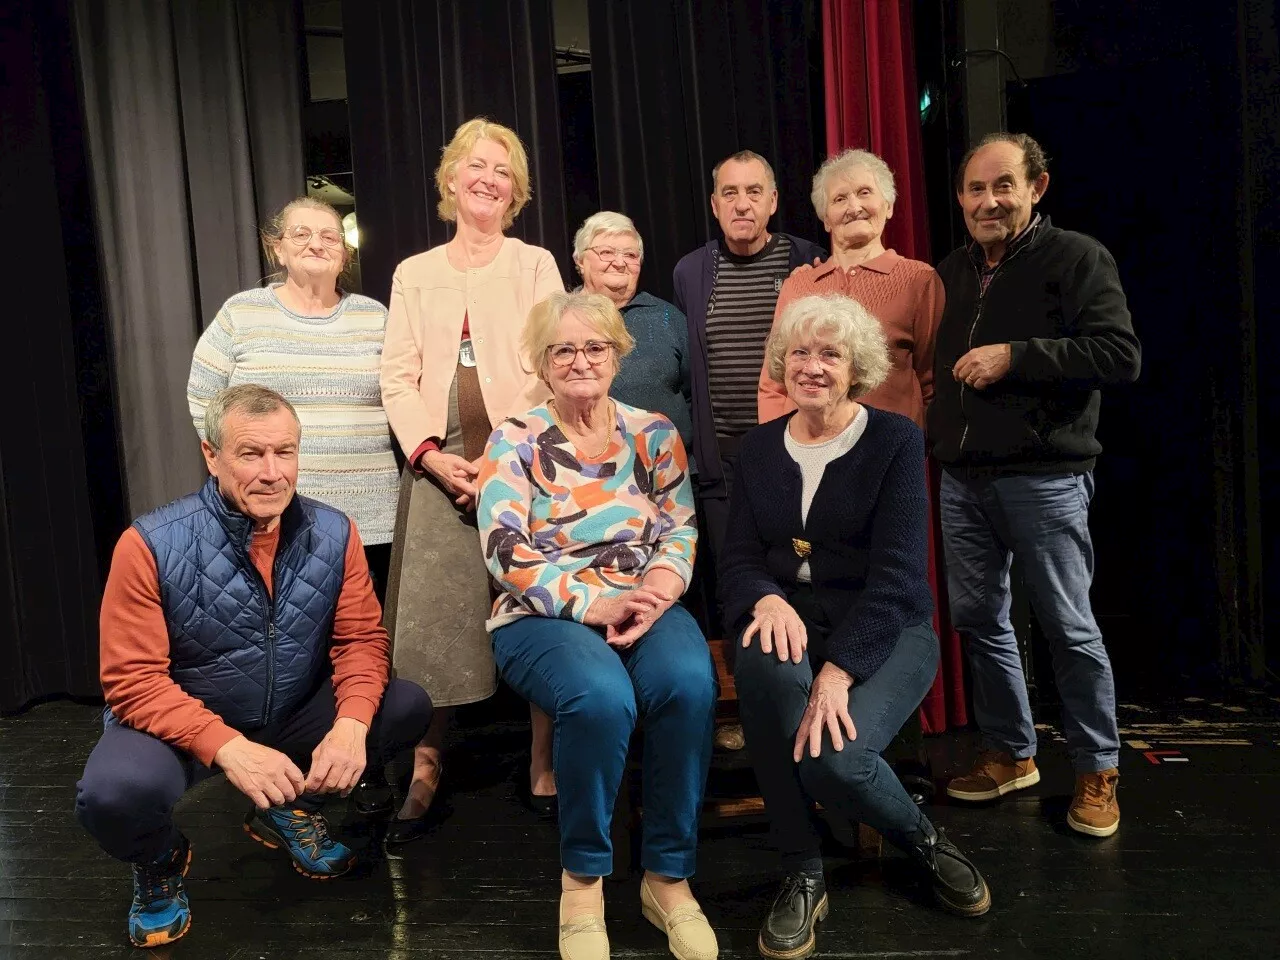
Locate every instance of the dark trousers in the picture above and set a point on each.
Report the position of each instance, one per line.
(713, 516)
(856, 782)
(132, 780)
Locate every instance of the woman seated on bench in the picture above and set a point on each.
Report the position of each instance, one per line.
(824, 574)
(586, 519)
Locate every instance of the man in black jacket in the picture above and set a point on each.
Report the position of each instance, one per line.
(1035, 324)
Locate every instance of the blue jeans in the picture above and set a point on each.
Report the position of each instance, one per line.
(855, 782)
(1044, 522)
(594, 694)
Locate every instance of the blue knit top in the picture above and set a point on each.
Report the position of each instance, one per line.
(866, 531)
(655, 375)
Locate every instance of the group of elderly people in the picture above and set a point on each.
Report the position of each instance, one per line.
(545, 521)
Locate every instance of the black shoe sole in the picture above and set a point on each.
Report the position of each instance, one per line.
(805, 949)
(966, 910)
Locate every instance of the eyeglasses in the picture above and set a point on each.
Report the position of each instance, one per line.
(612, 255)
(301, 235)
(827, 357)
(596, 352)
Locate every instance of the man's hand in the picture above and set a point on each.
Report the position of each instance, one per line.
(828, 709)
(265, 776)
(983, 366)
(456, 474)
(779, 627)
(338, 760)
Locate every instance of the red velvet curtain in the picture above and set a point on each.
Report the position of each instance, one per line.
(872, 102)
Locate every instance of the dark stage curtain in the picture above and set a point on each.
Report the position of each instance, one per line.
(193, 115)
(48, 575)
(679, 86)
(415, 71)
(872, 103)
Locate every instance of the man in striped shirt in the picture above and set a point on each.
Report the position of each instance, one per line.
(728, 289)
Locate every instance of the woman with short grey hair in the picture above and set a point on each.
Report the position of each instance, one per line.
(825, 575)
(854, 196)
(609, 252)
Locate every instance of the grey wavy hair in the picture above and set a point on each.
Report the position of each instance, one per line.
(851, 327)
(606, 221)
(247, 399)
(840, 165)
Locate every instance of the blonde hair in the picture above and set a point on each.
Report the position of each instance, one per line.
(854, 329)
(464, 139)
(606, 221)
(542, 329)
(840, 166)
(273, 233)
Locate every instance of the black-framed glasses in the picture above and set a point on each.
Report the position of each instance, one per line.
(596, 352)
(302, 234)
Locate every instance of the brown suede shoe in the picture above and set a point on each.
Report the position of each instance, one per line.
(1094, 809)
(994, 774)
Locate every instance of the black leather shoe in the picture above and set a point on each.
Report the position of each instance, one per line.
(372, 795)
(787, 933)
(957, 884)
(401, 831)
(546, 808)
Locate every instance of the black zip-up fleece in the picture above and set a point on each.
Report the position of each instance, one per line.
(1057, 300)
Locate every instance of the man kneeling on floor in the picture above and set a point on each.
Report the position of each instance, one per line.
(240, 633)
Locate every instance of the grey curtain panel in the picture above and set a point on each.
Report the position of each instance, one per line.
(193, 118)
(416, 69)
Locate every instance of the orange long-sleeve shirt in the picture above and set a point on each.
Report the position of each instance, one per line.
(134, 644)
(906, 296)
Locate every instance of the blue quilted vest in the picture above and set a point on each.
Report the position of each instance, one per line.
(250, 656)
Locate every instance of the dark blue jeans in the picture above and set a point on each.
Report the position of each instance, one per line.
(855, 782)
(1044, 522)
(594, 694)
(132, 780)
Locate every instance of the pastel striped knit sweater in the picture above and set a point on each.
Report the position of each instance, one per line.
(328, 369)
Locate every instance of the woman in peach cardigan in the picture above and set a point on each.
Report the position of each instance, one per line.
(853, 194)
(451, 372)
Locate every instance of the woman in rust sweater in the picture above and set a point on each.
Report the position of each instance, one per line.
(853, 193)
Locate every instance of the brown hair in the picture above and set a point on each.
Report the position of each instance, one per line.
(273, 233)
(1035, 163)
(481, 128)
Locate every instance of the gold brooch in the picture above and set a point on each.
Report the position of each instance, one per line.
(802, 547)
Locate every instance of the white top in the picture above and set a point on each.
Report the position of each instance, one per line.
(812, 459)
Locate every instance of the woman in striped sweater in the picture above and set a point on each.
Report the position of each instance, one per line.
(321, 348)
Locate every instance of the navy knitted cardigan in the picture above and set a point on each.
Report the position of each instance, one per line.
(867, 527)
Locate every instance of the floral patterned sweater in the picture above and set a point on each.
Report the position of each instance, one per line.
(560, 529)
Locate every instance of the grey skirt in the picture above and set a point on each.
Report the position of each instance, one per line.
(438, 589)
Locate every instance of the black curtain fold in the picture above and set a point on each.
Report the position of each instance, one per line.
(415, 71)
(677, 87)
(193, 119)
(48, 574)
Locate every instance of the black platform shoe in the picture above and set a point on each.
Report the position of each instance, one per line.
(372, 795)
(787, 932)
(957, 885)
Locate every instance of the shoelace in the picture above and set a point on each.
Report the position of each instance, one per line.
(1097, 791)
(794, 884)
(156, 881)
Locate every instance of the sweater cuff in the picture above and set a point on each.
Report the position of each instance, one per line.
(358, 707)
(1017, 350)
(210, 740)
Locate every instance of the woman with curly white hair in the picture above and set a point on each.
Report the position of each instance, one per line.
(824, 575)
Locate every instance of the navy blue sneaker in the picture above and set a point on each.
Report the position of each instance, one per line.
(160, 913)
(305, 836)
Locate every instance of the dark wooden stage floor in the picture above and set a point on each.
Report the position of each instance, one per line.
(1193, 872)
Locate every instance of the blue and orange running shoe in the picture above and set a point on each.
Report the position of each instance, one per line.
(160, 913)
(305, 837)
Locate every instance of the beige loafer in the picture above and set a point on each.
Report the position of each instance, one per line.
(584, 937)
(689, 935)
